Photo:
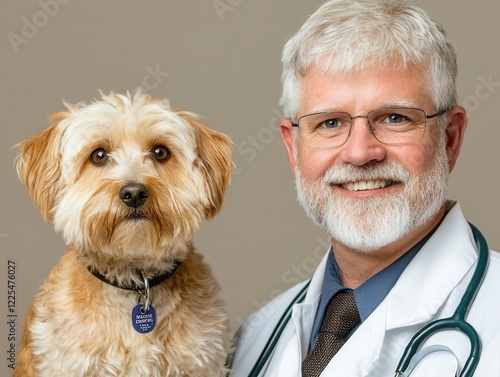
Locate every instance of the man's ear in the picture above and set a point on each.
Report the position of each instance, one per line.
(455, 131)
(288, 137)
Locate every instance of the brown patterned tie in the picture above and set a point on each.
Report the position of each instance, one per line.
(341, 316)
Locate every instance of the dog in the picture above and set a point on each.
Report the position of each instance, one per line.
(127, 180)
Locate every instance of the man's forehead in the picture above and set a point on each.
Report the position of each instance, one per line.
(325, 90)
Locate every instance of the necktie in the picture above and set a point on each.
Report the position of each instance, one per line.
(341, 316)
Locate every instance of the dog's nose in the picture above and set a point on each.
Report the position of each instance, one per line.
(134, 195)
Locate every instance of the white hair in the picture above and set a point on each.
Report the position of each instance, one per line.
(346, 35)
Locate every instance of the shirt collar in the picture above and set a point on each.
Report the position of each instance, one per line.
(371, 293)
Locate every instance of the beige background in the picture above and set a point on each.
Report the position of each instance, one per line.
(220, 59)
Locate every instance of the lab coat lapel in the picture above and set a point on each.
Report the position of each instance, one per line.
(304, 314)
(435, 271)
(290, 360)
(295, 348)
(365, 341)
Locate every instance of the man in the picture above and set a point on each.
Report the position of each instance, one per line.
(372, 132)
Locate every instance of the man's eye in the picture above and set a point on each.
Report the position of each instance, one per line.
(330, 123)
(395, 118)
(99, 156)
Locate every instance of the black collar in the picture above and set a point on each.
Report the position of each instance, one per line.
(155, 280)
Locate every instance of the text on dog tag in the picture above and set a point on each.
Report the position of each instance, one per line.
(143, 322)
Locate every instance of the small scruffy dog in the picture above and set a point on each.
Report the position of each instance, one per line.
(127, 180)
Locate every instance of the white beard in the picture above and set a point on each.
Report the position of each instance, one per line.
(367, 224)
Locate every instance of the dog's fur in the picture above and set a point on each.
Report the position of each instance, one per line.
(80, 326)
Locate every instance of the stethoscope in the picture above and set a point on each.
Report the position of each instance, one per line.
(412, 355)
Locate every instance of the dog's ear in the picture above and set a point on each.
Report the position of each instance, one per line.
(38, 166)
(215, 159)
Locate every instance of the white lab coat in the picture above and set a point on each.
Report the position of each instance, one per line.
(429, 288)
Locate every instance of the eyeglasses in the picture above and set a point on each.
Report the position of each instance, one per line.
(389, 126)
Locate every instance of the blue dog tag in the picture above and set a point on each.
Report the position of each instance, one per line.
(143, 322)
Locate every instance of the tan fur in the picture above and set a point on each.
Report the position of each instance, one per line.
(80, 326)
(214, 151)
(40, 175)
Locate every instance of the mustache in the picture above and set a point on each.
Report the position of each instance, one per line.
(388, 170)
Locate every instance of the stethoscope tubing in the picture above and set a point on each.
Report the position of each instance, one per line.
(276, 334)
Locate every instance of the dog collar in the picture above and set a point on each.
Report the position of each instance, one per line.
(155, 280)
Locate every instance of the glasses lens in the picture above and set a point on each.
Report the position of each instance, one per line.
(324, 130)
(397, 126)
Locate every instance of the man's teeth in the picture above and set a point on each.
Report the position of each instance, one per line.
(366, 185)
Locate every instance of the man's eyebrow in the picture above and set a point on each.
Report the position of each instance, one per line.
(325, 110)
(384, 105)
(398, 105)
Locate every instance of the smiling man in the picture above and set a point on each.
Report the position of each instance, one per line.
(372, 131)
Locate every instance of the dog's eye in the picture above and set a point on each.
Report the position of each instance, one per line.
(161, 153)
(99, 156)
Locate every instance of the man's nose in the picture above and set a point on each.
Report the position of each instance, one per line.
(361, 146)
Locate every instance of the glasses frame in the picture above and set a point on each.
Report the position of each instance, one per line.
(439, 113)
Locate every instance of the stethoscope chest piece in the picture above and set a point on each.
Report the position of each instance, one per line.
(425, 352)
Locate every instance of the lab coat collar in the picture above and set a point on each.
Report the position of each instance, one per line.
(303, 314)
(424, 286)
